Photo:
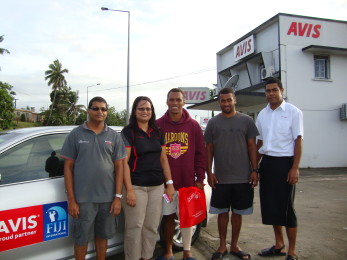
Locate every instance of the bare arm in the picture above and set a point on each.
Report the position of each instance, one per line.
(252, 154)
(259, 145)
(170, 190)
(131, 197)
(212, 180)
(73, 207)
(116, 204)
(293, 174)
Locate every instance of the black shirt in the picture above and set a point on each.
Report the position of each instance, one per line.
(144, 162)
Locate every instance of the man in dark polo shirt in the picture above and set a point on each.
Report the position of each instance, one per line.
(280, 127)
(93, 173)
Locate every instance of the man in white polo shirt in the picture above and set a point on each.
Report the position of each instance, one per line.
(280, 127)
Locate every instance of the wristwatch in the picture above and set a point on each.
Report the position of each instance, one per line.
(118, 195)
(169, 182)
(255, 170)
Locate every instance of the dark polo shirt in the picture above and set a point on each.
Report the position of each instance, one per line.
(144, 162)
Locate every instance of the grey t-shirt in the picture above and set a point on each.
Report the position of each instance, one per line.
(229, 138)
(94, 156)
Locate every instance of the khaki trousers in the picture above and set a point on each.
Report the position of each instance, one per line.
(142, 221)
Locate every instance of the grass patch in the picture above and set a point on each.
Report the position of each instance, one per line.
(20, 124)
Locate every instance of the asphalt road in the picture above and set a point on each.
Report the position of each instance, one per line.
(321, 206)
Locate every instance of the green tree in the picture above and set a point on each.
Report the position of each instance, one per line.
(6, 105)
(56, 79)
(114, 118)
(65, 110)
(2, 50)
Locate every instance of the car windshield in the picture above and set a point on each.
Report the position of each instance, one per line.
(7, 136)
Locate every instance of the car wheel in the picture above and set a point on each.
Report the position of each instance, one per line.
(177, 243)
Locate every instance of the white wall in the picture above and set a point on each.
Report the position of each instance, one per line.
(325, 137)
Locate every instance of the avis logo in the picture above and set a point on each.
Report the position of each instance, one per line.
(55, 221)
(304, 29)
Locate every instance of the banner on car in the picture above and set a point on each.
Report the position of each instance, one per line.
(31, 225)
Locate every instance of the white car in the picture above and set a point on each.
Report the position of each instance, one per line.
(34, 222)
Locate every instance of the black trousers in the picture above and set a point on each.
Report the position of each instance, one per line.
(276, 195)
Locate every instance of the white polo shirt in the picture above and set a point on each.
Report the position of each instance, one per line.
(279, 128)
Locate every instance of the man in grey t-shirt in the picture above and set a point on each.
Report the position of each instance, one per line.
(230, 138)
(93, 172)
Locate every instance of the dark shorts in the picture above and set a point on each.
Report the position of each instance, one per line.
(276, 195)
(235, 196)
(94, 219)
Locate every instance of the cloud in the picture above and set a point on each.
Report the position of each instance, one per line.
(167, 39)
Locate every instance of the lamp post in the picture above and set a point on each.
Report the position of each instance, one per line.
(87, 92)
(122, 11)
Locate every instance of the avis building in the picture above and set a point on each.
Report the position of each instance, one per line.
(309, 55)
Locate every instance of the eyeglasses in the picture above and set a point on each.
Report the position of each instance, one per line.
(103, 109)
(148, 109)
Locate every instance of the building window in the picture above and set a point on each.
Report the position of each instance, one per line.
(321, 67)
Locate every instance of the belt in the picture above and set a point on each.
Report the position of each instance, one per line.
(277, 157)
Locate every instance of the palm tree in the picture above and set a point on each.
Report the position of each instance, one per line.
(74, 110)
(56, 79)
(3, 51)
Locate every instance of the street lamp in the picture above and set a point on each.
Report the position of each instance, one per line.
(127, 108)
(87, 92)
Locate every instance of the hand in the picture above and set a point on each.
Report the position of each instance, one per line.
(199, 185)
(170, 191)
(253, 179)
(131, 198)
(73, 208)
(115, 206)
(293, 176)
(212, 180)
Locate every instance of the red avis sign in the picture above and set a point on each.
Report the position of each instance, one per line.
(244, 48)
(20, 227)
(196, 95)
(304, 29)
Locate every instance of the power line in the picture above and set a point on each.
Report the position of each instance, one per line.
(164, 79)
(175, 77)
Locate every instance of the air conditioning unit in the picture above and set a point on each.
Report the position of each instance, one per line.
(267, 72)
(343, 112)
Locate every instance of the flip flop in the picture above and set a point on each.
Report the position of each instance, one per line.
(189, 258)
(272, 251)
(218, 255)
(241, 254)
(164, 258)
(290, 257)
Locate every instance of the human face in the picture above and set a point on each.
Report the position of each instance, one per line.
(99, 115)
(227, 103)
(143, 111)
(175, 103)
(274, 95)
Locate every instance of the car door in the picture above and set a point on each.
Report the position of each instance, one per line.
(34, 223)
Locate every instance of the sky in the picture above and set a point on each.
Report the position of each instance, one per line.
(172, 44)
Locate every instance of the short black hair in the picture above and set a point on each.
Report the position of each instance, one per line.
(226, 91)
(96, 99)
(175, 90)
(273, 80)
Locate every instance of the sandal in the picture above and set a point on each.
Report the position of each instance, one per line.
(290, 257)
(241, 254)
(218, 255)
(272, 251)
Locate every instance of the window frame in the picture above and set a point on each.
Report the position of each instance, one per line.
(321, 66)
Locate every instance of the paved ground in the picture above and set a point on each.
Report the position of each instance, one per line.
(321, 205)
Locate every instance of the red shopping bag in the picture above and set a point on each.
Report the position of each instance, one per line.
(192, 206)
